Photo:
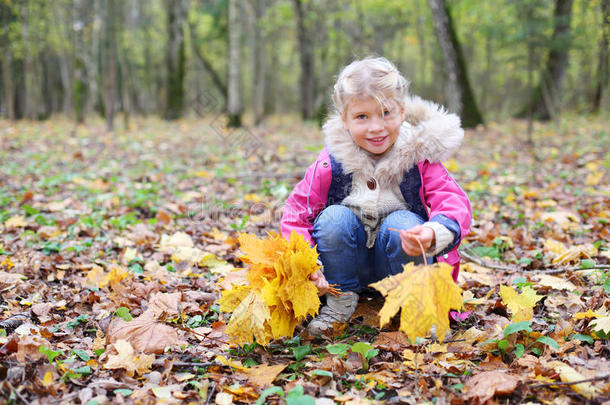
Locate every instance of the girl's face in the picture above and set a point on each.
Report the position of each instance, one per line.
(372, 126)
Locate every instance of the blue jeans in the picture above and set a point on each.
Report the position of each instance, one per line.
(347, 261)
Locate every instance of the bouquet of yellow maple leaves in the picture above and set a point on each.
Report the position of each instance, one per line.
(279, 294)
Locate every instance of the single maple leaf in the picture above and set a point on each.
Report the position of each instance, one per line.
(128, 359)
(230, 299)
(425, 294)
(569, 374)
(250, 320)
(521, 305)
(144, 333)
(601, 325)
(484, 386)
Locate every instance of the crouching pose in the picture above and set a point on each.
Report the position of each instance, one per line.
(380, 170)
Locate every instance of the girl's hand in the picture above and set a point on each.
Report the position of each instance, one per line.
(422, 233)
(320, 282)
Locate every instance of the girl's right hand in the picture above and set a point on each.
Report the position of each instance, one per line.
(320, 282)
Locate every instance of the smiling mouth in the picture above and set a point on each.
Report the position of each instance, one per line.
(378, 139)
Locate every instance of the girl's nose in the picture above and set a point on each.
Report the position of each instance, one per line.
(376, 124)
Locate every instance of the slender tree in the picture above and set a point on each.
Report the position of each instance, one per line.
(603, 71)
(175, 58)
(544, 104)
(307, 61)
(109, 55)
(196, 44)
(8, 87)
(234, 104)
(258, 62)
(460, 97)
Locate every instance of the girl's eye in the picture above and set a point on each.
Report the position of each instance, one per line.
(361, 116)
(386, 113)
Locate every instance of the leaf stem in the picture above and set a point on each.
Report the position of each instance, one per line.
(416, 239)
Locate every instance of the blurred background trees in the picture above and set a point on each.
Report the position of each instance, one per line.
(252, 58)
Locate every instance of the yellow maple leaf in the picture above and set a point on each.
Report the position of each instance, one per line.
(116, 276)
(569, 374)
(230, 299)
(585, 315)
(521, 305)
(425, 294)
(250, 320)
(261, 251)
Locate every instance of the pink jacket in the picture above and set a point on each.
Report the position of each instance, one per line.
(439, 193)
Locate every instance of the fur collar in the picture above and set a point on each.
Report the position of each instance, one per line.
(428, 133)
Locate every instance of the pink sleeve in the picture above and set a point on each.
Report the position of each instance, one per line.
(307, 199)
(446, 199)
(444, 196)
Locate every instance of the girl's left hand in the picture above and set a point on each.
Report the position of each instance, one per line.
(320, 282)
(422, 233)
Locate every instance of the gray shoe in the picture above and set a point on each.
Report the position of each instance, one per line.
(337, 309)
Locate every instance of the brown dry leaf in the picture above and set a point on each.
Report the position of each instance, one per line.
(263, 375)
(144, 333)
(564, 219)
(425, 294)
(168, 243)
(555, 282)
(392, 341)
(164, 304)
(28, 347)
(7, 279)
(486, 385)
(128, 359)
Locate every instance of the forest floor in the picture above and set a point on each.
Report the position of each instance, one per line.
(113, 248)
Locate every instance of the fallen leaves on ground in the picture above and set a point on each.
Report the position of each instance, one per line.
(127, 359)
(138, 229)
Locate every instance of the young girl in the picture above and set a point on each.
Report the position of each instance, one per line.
(380, 170)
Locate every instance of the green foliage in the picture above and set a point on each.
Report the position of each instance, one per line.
(51, 354)
(366, 351)
(300, 352)
(124, 314)
(340, 349)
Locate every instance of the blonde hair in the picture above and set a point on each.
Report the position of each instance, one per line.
(371, 76)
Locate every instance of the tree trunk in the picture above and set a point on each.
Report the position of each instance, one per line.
(307, 63)
(79, 86)
(221, 86)
(460, 97)
(175, 59)
(7, 61)
(109, 55)
(258, 74)
(63, 56)
(234, 107)
(545, 101)
(603, 71)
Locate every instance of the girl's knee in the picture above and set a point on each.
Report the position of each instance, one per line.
(389, 235)
(335, 223)
(402, 219)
